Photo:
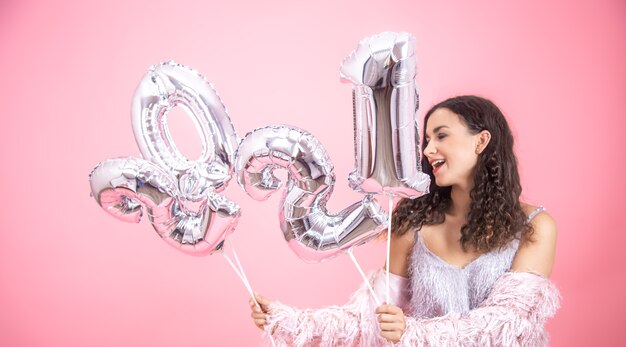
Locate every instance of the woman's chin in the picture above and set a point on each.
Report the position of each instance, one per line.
(441, 182)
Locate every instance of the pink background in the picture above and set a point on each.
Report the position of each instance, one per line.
(71, 275)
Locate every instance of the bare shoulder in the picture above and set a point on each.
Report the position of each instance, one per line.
(528, 208)
(543, 223)
(401, 247)
(537, 253)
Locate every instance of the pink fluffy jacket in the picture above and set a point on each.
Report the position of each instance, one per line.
(513, 314)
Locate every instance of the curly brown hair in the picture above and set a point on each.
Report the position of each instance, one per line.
(495, 216)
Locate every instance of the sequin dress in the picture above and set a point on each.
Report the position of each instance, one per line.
(438, 287)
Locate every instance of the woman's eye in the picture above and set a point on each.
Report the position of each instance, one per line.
(439, 137)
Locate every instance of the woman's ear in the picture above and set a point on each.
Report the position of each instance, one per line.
(482, 141)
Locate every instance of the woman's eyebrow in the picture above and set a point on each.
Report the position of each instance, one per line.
(437, 129)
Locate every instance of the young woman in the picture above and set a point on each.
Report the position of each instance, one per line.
(469, 262)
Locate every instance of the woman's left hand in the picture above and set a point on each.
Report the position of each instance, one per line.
(392, 322)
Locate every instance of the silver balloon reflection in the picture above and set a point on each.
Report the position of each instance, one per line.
(311, 232)
(382, 70)
(168, 85)
(126, 187)
(180, 196)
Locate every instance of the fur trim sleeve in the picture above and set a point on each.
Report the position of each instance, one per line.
(353, 324)
(513, 314)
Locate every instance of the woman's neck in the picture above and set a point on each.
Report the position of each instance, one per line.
(460, 201)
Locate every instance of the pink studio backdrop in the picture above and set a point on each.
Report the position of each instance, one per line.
(71, 275)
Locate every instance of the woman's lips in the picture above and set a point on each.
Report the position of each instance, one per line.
(436, 169)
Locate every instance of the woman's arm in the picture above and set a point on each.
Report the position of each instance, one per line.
(537, 255)
(514, 314)
(353, 324)
(399, 256)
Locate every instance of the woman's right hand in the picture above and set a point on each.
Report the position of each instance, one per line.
(260, 315)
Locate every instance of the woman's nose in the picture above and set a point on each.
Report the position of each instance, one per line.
(429, 149)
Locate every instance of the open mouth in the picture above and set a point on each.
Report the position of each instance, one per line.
(438, 164)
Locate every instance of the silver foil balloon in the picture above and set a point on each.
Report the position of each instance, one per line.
(382, 70)
(311, 232)
(169, 85)
(180, 196)
(129, 187)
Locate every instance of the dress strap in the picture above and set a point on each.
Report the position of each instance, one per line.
(536, 212)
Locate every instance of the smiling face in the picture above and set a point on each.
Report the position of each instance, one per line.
(452, 150)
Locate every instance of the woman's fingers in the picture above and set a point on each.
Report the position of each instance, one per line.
(392, 336)
(389, 327)
(389, 318)
(390, 309)
(395, 319)
(252, 304)
(263, 301)
(391, 322)
(259, 315)
(260, 319)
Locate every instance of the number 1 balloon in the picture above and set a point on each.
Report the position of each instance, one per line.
(382, 70)
(180, 196)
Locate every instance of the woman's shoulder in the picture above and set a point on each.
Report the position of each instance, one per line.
(529, 208)
(537, 253)
(401, 248)
(543, 223)
(404, 239)
(536, 212)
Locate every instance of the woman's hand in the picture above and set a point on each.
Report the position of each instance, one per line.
(392, 322)
(260, 315)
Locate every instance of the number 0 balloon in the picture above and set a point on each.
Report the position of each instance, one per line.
(179, 195)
